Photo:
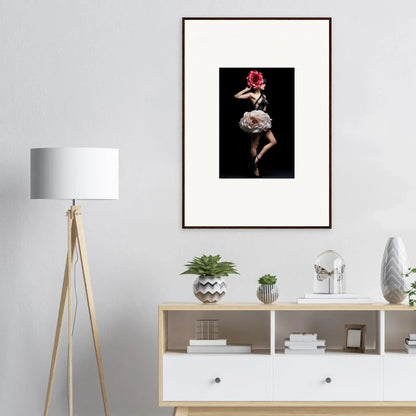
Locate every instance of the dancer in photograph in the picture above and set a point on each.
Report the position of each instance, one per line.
(257, 122)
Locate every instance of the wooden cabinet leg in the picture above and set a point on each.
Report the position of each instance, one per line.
(180, 411)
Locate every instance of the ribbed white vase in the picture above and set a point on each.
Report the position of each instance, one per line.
(267, 293)
(393, 268)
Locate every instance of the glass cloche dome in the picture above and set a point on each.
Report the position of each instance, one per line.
(329, 273)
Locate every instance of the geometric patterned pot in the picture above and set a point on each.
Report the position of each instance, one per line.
(393, 269)
(267, 293)
(209, 289)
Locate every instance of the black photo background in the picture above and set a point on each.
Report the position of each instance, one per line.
(279, 161)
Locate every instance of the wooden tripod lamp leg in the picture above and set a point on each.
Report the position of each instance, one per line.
(70, 382)
(64, 292)
(90, 300)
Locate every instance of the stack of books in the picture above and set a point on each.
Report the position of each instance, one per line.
(410, 344)
(215, 346)
(304, 343)
(333, 298)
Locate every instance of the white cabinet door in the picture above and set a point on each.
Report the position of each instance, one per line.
(399, 377)
(204, 377)
(337, 377)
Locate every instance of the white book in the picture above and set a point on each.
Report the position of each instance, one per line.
(331, 296)
(320, 350)
(303, 336)
(302, 347)
(412, 337)
(357, 300)
(410, 349)
(207, 342)
(304, 344)
(219, 349)
(410, 342)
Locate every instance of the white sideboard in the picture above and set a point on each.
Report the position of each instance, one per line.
(269, 382)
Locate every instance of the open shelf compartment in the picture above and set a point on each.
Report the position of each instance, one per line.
(237, 327)
(330, 326)
(398, 325)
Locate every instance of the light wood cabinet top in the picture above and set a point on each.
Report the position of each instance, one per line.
(284, 306)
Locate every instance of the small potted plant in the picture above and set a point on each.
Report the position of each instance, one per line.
(209, 287)
(267, 291)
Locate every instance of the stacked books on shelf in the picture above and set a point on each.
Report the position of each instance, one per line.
(333, 298)
(410, 344)
(215, 346)
(304, 343)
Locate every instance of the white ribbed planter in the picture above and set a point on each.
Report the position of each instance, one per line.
(267, 293)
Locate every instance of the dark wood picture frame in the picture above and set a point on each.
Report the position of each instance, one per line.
(328, 224)
(355, 327)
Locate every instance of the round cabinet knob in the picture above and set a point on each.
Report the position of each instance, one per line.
(217, 380)
(328, 380)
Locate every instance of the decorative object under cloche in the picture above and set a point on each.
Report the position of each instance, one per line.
(267, 291)
(393, 271)
(329, 273)
(209, 287)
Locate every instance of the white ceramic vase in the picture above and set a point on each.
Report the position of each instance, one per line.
(393, 270)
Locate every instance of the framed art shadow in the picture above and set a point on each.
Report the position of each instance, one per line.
(256, 116)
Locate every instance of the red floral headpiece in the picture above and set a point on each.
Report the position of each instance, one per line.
(254, 79)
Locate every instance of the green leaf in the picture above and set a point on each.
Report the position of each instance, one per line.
(267, 279)
(210, 266)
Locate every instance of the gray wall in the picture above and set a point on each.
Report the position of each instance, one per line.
(108, 73)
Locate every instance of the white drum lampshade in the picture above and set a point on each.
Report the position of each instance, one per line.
(74, 173)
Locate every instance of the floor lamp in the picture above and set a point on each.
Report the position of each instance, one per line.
(74, 173)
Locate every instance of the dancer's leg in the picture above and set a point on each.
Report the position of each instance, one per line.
(272, 142)
(255, 140)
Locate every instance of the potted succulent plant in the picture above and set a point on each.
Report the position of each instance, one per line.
(209, 287)
(267, 291)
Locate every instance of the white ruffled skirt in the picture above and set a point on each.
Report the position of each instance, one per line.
(255, 121)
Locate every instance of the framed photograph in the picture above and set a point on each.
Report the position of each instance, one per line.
(256, 118)
(354, 338)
